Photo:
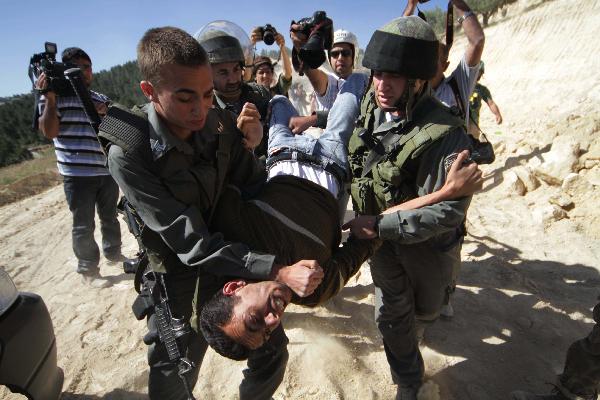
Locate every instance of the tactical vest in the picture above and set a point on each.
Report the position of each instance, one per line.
(378, 154)
(130, 130)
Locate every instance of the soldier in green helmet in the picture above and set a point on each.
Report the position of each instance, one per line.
(401, 150)
(226, 58)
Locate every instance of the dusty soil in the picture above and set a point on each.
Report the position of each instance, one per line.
(529, 278)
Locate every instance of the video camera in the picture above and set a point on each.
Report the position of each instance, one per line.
(55, 71)
(319, 30)
(268, 33)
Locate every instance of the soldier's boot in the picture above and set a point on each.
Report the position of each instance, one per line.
(555, 395)
(407, 392)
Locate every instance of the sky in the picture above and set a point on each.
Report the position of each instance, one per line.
(109, 30)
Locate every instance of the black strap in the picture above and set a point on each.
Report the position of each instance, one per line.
(449, 26)
(334, 169)
(391, 138)
(456, 91)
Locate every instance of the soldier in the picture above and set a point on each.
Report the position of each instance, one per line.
(401, 151)
(171, 158)
(581, 376)
(226, 58)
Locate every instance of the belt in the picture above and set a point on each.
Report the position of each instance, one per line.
(334, 169)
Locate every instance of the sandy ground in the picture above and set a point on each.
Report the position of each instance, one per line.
(526, 289)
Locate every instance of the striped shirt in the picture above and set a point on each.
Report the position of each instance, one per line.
(78, 152)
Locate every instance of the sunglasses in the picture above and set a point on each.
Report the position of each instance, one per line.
(336, 53)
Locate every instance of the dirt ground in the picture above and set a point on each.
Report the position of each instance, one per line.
(529, 280)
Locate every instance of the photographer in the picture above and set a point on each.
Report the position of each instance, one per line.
(263, 69)
(82, 164)
(342, 58)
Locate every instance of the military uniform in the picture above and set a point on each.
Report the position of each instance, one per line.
(174, 186)
(420, 247)
(251, 92)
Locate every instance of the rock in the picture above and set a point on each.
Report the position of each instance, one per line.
(593, 176)
(559, 161)
(572, 183)
(513, 184)
(526, 176)
(548, 214)
(562, 200)
(589, 164)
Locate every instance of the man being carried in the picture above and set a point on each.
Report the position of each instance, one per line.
(295, 214)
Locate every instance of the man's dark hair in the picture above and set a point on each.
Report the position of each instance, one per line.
(260, 61)
(70, 54)
(215, 314)
(167, 45)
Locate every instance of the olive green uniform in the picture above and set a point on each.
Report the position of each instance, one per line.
(174, 186)
(258, 95)
(413, 267)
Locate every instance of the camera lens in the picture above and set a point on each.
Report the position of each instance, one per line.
(268, 37)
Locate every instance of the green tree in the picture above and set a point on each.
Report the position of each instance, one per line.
(487, 8)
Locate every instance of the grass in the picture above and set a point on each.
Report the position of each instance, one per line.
(46, 162)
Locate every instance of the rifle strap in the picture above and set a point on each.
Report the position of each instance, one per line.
(449, 26)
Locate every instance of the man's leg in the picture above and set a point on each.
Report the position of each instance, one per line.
(81, 195)
(280, 134)
(333, 142)
(106, 202)
(266, 367)
(395, 318)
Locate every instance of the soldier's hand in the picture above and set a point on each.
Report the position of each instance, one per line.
(302, 277)
(300, 124)
(362, 227)
(464, 178)
(498, 119)
(248, 122)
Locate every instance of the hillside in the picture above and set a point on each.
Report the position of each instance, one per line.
(531, 260)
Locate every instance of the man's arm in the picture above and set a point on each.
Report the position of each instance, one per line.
(411, 6)
(49, 122)
(287, 64)
(473, 32)
(494, 109)
(420, 224)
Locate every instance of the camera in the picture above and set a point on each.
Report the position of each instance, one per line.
(268, 33)
(55, 71)
(319, 30)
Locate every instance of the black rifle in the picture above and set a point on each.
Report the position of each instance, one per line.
(153, 296)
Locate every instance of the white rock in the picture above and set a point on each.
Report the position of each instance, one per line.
(559, 162)
(593, 176)
(562, 200)
(547, 214)
(526, 176)
(514, 185)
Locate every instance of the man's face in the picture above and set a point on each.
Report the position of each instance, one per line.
(227, 77)
(257, 312)
(389, 88)
(341, 60)
(86, 70)
(264, 75)
(182, 98)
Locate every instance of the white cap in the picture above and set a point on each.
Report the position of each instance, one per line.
(344, 36)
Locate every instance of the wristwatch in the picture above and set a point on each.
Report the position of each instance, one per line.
(465, 16)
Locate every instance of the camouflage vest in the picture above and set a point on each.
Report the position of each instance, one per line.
(378, 153)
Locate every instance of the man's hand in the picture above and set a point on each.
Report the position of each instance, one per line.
(280, 40)
(298, 39)
(463, 179)
(42, 84)
(255, 35)
(101, 109)
(302, 277)
(249, 123)
(362, 227)
(300, 124)
(498, 119)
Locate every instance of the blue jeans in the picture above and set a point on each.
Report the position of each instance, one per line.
(332, 145)
(84, 195)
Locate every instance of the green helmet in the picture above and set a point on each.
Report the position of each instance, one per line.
(221, 47)
(406, 45)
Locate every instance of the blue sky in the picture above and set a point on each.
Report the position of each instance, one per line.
(109, 30)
